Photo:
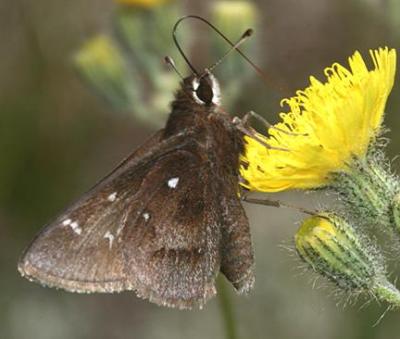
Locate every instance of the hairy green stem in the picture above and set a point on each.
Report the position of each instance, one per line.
(385, 291)
(226, 309)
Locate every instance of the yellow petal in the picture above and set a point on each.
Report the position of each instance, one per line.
(328, 125)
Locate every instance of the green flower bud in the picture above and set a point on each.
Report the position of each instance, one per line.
(128, 69)
(333, 248)
(100, 63)
(368, 190)
(146, 36)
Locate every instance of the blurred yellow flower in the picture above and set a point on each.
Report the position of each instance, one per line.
(100, 62)
(242, 13)
(100, 51)
(141, 3)
(327, 126)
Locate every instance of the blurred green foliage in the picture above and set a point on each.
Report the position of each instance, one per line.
(125, 67)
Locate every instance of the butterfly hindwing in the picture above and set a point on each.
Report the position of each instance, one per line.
(237, 259)
(179, 244)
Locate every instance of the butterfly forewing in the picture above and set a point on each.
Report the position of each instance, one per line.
(79, 250)
(151, 227)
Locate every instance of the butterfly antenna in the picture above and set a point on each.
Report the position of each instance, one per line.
(242, 39)
(170, 62)
(178, 46)
(259, 71)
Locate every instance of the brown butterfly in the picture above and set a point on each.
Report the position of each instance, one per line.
(166, 221)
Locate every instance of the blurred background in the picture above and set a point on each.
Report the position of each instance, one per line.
(82, 84)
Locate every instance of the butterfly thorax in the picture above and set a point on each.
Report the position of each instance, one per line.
(210, 126)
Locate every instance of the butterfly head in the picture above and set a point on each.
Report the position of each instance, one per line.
(203, 89)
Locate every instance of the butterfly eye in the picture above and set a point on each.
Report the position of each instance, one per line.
(204, 90)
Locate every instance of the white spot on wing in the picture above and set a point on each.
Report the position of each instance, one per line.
(112, 197)
(75, 227)
(173, 182)
(146, 216)
(122, 225)
(110, 238)
(66, 222)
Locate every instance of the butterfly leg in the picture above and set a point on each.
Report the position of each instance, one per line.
(251, 114)
(252, 133)
(276, 203)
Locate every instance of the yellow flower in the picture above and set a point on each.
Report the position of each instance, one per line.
(141, 3)
(328, 125)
